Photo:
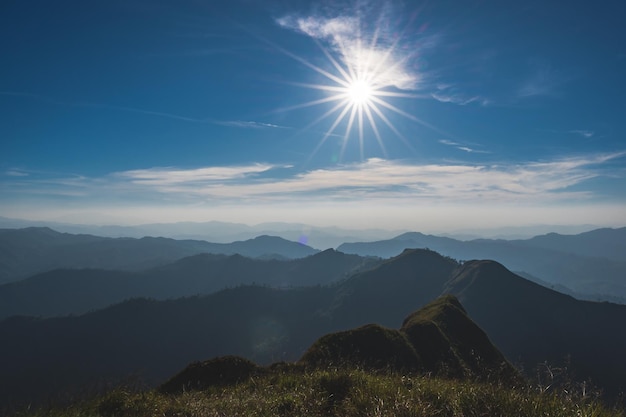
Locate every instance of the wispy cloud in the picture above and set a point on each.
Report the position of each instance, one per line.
(194, 177)
(462, 147)
(16, 173)
(362, 47)
(248, 124)
(458, 99)
(543, 80)
(373, 179)
(448, 93)
(584, 133)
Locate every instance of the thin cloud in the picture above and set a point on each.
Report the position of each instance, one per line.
(16, 173)
(584, 133)
(543, 80)
(248, 124)
(461, 147)
(171, 176)
(456, 99)
(448, 93)
(371, 180)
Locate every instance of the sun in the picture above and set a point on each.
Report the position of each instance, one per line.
(360, 92)
(360, 79)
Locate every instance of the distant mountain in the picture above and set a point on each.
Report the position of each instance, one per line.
(573, 261)
(215, 231)
(25, 252)
(600, 243)
(530, 324)
(77, 291)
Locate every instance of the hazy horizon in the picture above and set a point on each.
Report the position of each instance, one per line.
(225, 231)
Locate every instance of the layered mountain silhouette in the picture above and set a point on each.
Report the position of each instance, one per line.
(590, 265)
(25, 252)
(76, 291)
(528, 323)
(439, 339)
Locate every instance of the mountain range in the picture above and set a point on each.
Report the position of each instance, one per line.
(319, 237)
(215, 231)
(529, 323)
(589, 265)
(75, 291)
(25, 252)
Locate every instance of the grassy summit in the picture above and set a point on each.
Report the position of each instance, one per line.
(439, 339)
(341, 393)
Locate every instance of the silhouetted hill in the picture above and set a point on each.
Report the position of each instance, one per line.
(526, 322)
(449, 343)
(25, 252)
(389, 292)
(222, 371)
(370, 347)
(556, 259)
(63, 291)
(439, 339)
(393, 247)
(264, 245)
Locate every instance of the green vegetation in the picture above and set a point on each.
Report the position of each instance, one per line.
(342, 393)
(369, 347)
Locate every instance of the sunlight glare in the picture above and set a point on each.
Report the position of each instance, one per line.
(360, 92)
(362, 76)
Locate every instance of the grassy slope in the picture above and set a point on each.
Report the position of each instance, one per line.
(341, 393)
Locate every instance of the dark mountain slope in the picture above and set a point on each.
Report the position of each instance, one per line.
(25, 252)
(46, 357)
(63, 292)
(391, 291)
(535, 324)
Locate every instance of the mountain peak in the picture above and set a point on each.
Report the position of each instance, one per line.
(409, 236)
(440, 338)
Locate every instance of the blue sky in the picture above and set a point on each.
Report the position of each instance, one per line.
(445, 115)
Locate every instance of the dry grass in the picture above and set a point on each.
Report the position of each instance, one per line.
(341, 393)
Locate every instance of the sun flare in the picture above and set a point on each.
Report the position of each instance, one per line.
(363, 75)
(360, 92)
